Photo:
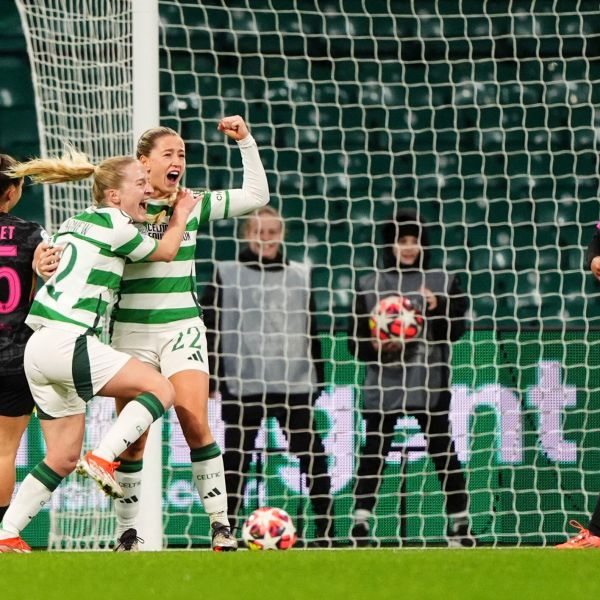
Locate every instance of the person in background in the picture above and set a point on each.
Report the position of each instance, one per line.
(263, 339)
(410, 378)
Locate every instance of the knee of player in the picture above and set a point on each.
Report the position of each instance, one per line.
(163, 389)
(64, 462)
(71, 463)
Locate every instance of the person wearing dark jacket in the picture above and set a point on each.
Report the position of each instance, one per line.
(266, 357)
(410, 378)
(19, 241)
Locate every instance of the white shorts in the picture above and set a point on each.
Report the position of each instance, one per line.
(170, 352)
(66, 369)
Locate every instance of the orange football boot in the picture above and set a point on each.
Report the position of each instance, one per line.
(584, 539)
(102, 472)
(14, 544)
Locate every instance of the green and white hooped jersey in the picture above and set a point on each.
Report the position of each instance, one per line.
(95, 246)
(156, 295)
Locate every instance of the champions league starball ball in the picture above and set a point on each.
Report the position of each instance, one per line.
(269, 529)
(395, 319)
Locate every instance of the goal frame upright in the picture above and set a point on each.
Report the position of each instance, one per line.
(146, 114)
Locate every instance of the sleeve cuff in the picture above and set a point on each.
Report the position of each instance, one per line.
(247, 142)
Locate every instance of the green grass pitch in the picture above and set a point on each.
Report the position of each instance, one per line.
(313, 574)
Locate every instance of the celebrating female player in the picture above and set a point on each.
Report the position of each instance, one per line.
(65, 363)
(158, 319)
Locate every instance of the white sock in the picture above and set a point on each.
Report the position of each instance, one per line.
(128, 507)
(209, 477)
(33, 494)
(134, 419)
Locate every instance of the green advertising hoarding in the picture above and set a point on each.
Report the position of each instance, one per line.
(526, 424)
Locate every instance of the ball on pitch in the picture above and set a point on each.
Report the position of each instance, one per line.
(269, 529)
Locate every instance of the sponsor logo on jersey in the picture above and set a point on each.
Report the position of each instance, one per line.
(157, 231)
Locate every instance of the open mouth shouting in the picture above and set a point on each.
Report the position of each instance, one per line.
(173, 177)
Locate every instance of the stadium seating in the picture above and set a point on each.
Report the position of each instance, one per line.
(500, 154)
(18, 124)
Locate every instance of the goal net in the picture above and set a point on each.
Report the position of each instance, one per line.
(481, 116)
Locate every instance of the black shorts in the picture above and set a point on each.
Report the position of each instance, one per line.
(15, 397)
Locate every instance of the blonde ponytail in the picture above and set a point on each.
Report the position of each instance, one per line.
(74, 166)
(71, 166)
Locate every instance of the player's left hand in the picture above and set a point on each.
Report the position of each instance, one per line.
(430, 298)
(234, 127)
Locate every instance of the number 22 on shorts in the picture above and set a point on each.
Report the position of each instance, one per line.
(188, 339)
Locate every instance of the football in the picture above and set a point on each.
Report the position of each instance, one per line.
(269, 529)
(395, 319)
